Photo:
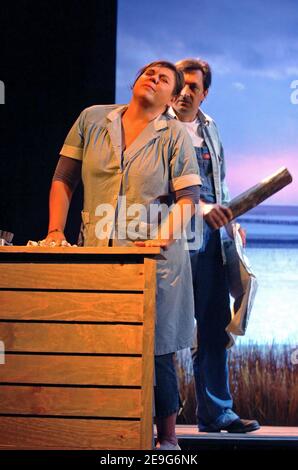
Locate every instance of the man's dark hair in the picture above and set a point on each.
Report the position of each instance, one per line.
(190, 65)
(179, 79)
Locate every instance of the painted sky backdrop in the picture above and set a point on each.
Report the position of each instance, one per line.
(252, 47)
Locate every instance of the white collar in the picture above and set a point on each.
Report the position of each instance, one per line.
(160, 122)
(202, 117)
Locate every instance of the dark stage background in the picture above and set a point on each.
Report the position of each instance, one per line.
(57, 57)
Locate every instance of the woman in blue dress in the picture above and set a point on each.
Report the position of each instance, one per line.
(137, 154)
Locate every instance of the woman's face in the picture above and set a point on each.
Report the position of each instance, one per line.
(155, 86)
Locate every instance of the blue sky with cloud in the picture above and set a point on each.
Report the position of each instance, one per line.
(252, 47)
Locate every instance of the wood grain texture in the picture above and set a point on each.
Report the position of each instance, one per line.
(54, 321)
(70, 401)
(59, 338)
(59, 433)
(83, 370)
(72, 276)
(71, 306)
(267, 433)
(260, 192)
(89, 250)
(148, 353)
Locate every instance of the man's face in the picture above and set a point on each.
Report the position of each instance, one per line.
(188, 102)
(155, 86)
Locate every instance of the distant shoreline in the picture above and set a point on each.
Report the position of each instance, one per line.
(271, 226)
(265, 243)
(274, 210)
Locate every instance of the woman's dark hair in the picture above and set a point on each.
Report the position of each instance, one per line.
(179, 79)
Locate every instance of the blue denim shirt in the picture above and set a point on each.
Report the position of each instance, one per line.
(211, 137)
(213, 179)
(209, 133)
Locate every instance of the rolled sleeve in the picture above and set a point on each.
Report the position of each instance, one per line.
(74, 142)
(184, 169)
(184, 181)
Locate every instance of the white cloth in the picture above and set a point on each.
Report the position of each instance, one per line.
(192, 128)
(242, 285)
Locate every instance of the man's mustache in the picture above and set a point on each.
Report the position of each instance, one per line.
(183, 99)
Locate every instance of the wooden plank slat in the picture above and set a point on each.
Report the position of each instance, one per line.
(60, 433)
(62, 377)
(72, 276)
(89, 250)
(148, 353)
(258, 193)
(80, 370)
(121, 403)
(69, 338)
(268, 433)
(71, 306)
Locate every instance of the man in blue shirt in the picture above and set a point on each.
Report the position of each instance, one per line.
(211, 293)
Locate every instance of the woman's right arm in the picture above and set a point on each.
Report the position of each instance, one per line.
(60, 197)
(65, 180)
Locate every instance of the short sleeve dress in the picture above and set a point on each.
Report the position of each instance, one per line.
(159, 161)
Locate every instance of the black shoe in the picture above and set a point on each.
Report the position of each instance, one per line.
(237, 426)
(241, 425)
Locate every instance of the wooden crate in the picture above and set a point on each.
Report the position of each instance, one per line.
(78, 330)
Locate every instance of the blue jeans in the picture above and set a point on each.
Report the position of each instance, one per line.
(212, 311)
(166, 392)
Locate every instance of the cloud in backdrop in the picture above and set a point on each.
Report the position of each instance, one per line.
(252, 47)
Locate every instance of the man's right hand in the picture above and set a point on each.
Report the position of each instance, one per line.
(216, 215)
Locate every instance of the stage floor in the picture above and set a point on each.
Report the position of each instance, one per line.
(267, 437)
